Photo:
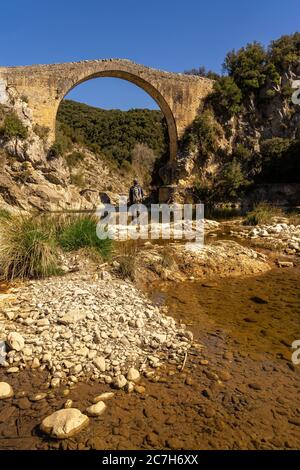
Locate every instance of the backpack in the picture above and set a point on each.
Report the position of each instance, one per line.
(137, 194)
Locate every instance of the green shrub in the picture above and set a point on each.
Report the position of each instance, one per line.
(226, 97)
(80, 232)
(112, 133)
(41, 131)
(78, 179)
(56, 150)
(204, 134)
(28, 248)
(13, 127)
(127, 253)
(4, 214)
(263, 213)
(74, 159)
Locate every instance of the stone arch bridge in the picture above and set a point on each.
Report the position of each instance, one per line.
(44, 86)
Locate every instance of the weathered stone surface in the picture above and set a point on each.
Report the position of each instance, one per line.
(15, 341)
(97, 409)
(100, 363)
(73, 316)
(133, 375)
(64, 423)
(6, 390)
(104, 396)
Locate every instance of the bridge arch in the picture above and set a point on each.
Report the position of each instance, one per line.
(138, 81)
(178, 95)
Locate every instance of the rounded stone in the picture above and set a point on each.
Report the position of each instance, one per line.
(133, 375)
(97, 409)
(104, 396)
(6, 390)
(64, 423)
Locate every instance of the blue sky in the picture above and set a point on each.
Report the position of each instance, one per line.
(171, 35)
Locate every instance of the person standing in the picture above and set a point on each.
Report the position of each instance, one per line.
(136, 193)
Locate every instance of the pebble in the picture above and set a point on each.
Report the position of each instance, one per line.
(133, 375)
(96, 409)
(68, 404)
(104, 396)
(224, 375)
(6, 390)
(100, 363)
(15, 341)
(255, 386)
(120, 381)
(55, 382)
(38, 397)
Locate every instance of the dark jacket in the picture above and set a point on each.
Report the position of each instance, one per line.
(131, 194)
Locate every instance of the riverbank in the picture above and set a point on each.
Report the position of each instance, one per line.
(238, 391)
(232, 386)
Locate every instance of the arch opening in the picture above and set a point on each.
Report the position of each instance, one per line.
(166, 124)
(139, 82)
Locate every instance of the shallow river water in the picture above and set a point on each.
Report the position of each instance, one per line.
(261, 314)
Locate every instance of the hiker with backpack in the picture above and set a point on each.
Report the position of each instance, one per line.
(136, 194)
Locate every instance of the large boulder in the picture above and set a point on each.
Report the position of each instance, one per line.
(64, 423)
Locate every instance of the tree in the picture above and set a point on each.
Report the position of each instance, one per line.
(247, 66)
(204, 134)
(226, 97)
(143, 161)
(231, 181)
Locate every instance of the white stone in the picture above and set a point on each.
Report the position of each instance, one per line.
(6, 390)
(100, 363)
(55, 382)
(15, 341)
(64, 423)
(104, 396)
(73, 316)
(35, 363)
(97, 409)
(120, 381)
(133, 375)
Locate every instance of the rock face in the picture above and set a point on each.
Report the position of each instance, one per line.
(64, 423)
(6, 390)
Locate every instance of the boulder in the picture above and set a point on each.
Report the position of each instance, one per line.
(64, 423)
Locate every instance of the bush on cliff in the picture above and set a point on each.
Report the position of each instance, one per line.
(13, 127)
